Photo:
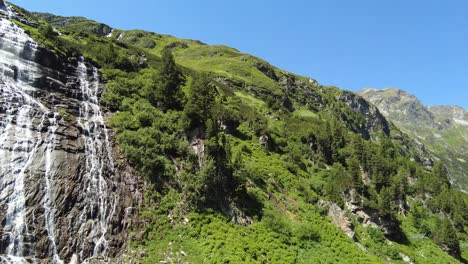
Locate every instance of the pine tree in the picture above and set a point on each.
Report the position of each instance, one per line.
(169, 83)
(337, 140)
(218, 150)
(385, 202)
(358, 148)
(445, 235)
(355, 172)
(200, 106)
(440, 177)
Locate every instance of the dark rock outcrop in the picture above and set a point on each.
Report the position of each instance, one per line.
(374, 120)
(177, 45)
(267, 70)
(301, 91)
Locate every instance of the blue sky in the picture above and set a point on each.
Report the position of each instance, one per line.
(420, 46)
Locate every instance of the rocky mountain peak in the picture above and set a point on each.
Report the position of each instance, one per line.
(399, 105)
(438, 127)
(453, 113)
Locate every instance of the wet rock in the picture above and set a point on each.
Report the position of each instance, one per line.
(45, 150)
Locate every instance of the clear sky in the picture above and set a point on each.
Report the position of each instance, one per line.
(420, 46)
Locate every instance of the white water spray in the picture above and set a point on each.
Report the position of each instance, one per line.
(99, 201)
(6, 9)
(19, 143)
(49, 210)
(24, 142)
(20, 137)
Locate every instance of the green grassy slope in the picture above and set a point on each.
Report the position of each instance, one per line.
(277, 146)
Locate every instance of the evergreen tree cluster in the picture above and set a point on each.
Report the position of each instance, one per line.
(156, 119)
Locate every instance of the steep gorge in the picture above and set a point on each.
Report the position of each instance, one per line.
(63, 196)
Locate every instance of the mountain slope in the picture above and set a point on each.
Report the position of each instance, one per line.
(247, 163)
(442, 129)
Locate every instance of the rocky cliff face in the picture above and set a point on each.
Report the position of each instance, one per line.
(399, 105)
(63, 196)
(59, 21)
(442, 129)
(374, 121)
(452, 113)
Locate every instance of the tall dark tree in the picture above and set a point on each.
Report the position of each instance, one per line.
(385, 202)
(202, 101)
(445, 235)
(338, 140)
(355, 172)
(169, 83)
(359, 149)
(439, 171)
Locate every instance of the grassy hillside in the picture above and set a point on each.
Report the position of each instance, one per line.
(245, 162)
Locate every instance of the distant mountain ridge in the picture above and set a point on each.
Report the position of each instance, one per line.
(456, 113)
(442, 129)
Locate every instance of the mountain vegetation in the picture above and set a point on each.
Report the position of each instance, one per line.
(247, 163)
(442, 130)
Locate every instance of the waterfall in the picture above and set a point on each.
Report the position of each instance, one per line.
(24, 149)
(31, 156)
(49, 210)
(100, 201)
(6, 9)
(20, 138)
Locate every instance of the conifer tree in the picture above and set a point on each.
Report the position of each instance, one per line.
(385, 202)
(355, 171)
(201, 103)
(169, 83)
(445, 235)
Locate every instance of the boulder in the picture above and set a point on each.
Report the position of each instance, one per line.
(339, 217)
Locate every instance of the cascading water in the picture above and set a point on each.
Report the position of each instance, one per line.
(49, 210)
(21, 156)
(60, 199)
(100, 203)
(19, 138)
(6, 9)
(14, 166)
